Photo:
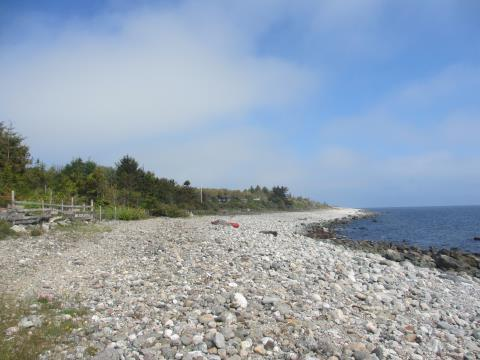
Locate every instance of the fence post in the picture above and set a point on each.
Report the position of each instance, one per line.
(43, 207)
(62, 207)
(115, 213)
(72, 203)
(100, 212)
(51, 197)
(83, 207)
(13, 198)
(91, 205)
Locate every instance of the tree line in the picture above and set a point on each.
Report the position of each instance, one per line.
(124, 184)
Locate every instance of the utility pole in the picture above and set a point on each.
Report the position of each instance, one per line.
(201, 195)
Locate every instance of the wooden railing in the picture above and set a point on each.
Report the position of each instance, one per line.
(30, 212)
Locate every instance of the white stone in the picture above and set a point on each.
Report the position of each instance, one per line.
(239, 301)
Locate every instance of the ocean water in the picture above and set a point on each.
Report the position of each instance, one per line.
(440, 227)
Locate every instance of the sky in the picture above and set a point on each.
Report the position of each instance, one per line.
(361, 103)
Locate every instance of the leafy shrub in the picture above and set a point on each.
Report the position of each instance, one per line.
(168, 211)
(5, 230)
(123, 213)
(126, 213)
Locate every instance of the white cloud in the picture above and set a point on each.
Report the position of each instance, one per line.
(233, 157)
(138, 74)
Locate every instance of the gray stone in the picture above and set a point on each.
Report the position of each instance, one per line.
(219, 340)
(268, 343)
(30, 321)
(175, 340)
(108, 354)
(360, 355)
(186, 339)
(228, 333)
(379, 352)
(268, 300)
(195, 355)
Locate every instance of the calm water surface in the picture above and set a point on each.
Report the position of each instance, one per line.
(440, 227)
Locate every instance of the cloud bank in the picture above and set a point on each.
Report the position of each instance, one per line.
(143, 73)
(357, 103)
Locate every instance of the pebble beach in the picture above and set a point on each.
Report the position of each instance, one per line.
(186, 289)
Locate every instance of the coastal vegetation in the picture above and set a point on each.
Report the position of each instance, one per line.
(5, 230)
(125, 190)
(30, 328)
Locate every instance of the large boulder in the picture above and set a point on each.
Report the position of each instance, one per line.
(446, 262)
(393, 255)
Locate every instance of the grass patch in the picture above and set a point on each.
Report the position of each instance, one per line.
(74, 312)
(5, 230)
(91, 351)
(82, 228)
(29, 343)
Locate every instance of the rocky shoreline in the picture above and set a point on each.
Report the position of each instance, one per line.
(188, 289)
(453, 260)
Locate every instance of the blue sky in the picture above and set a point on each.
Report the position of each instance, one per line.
(357, 103)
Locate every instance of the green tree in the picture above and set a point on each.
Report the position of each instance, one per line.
(14, 158)
(96, 184)
(128, 176)
(280, 197)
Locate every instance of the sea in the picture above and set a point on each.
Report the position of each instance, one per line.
(439, 227)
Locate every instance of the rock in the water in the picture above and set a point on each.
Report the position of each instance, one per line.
(446, 262)
(393, 255)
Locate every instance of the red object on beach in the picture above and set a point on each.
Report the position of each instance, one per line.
(226, 223)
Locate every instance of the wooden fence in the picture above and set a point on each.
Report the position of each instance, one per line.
(33, 212)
